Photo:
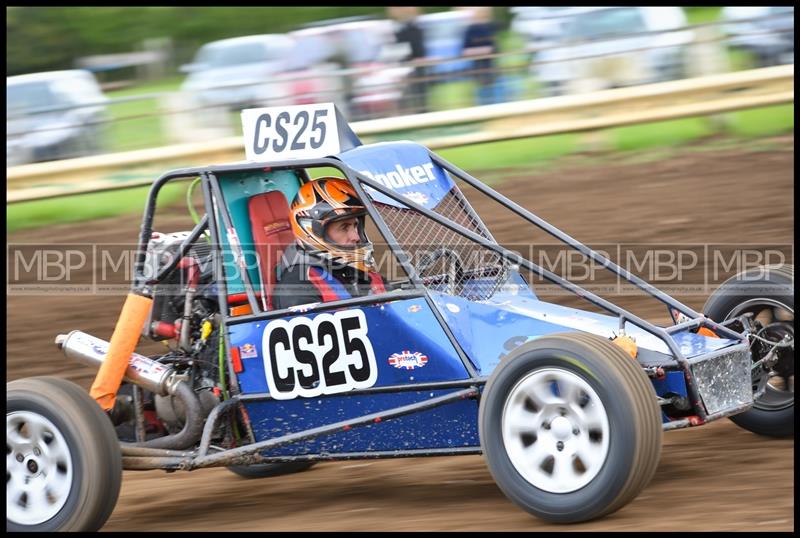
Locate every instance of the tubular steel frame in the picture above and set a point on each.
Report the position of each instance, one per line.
(135, 457)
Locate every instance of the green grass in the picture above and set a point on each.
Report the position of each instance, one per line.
(663, 133)
(450, 95)
(528, 151)
(138, 124)
(762, 121)
(170, 84)
(700, 15)
(135, 126)
(531, 152)
(84, 207)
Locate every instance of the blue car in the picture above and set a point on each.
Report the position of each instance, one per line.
(462, 356)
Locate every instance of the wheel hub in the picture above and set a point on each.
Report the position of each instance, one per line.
(776, 384)
(38, 468)
(561, 428)
(555, 430)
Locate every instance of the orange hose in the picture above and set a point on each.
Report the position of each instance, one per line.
(123, 344)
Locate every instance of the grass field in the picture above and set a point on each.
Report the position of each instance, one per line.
(85, 207)
(532, 153)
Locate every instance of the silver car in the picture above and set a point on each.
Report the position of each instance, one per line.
(54, 115)
(767, 32)
(236, 72)
(258, 70)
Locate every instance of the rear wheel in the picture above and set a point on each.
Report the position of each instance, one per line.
(63, 462)
(265, 470)
(767, 293)
(570, 427)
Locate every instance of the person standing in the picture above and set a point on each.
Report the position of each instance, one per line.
(410, 33)
(479, 40)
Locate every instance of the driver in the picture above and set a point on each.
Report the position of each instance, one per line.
(331, 257)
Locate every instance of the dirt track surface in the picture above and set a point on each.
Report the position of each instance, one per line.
(716, 477)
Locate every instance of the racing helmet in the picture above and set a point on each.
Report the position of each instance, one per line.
(318, 204)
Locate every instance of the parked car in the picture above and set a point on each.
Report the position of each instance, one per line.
(366, 47)
(236, 72)
(352, 40)
(53, 115)
(612, 47)
(257, 70)
(766, 32)
(540, 26)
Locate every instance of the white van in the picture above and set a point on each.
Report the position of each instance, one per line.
(615, 46)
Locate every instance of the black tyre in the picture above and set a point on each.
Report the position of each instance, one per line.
(570, 427)
(767, 292)
(63, 464)
(265, 470)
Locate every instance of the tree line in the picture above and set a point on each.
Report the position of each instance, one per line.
(50, 38)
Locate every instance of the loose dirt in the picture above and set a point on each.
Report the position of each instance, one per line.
(715, 477)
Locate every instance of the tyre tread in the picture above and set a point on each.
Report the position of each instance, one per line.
(646, 411)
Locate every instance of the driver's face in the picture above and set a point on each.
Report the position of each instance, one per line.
(344, 232)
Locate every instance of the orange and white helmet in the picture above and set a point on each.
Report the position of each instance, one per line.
(319, 203)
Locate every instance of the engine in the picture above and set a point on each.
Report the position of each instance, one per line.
(185, 317)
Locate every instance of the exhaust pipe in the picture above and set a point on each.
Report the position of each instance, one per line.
(142, 371)
(149, 375)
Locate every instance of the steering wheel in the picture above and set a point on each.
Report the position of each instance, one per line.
(455, 269)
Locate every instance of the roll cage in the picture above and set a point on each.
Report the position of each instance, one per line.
(215, 205)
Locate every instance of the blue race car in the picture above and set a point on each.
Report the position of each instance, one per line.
(460, 357)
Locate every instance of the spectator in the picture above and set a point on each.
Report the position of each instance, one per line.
(479, 40)
(411, 34)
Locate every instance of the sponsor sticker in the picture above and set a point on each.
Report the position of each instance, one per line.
(453, 308)
(145, 365)
(414, 308)
(303, 307)
(408, 360)
(678, 316)
(417, 197)
(248, 351)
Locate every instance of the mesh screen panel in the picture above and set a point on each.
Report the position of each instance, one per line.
(445, 260)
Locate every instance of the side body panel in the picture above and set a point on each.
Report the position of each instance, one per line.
(289, 382)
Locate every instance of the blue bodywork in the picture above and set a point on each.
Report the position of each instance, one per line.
(404, 343)
(410, 325)
(393, 327)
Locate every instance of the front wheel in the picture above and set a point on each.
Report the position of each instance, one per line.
(570, 427)
(63, 462)
(768, 294)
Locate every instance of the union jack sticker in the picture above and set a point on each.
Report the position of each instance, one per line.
(248, 351)
(408, 360)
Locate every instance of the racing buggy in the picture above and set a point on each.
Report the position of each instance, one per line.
(460, 356)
